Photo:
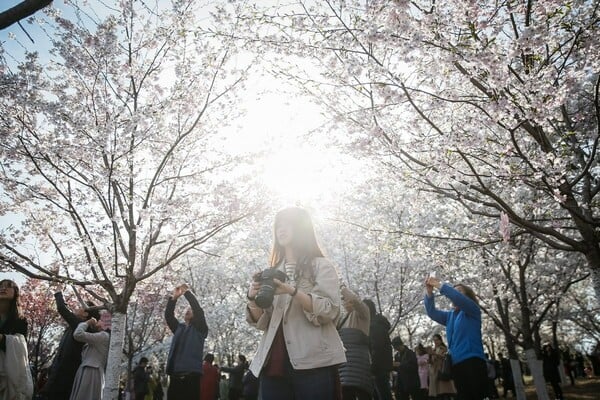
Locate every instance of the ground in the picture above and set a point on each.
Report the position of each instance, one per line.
(584, 389)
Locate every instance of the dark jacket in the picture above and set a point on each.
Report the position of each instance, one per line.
(236, 374)
(250, 383)
(550, 362)
(140, 380)
(187, 346)
(380, 345)
(68, 356)
(408, 370)
(356, 371)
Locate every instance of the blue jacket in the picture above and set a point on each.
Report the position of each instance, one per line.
(463, 327)
(187, 346)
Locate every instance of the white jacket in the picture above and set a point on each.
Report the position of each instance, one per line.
(311, 339)
(15, 376)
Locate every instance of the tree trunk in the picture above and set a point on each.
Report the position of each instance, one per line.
(115, 357)
(561, 366)
(596, 282)
(537, 373)
(515, 365)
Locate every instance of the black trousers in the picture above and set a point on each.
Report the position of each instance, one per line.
(558, 393)
(355, 393)
(470, 378)
(184, 387)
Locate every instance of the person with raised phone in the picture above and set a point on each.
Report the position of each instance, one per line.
(184, 364)
(463, 331)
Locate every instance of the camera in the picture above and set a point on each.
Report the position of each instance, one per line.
(266, 292)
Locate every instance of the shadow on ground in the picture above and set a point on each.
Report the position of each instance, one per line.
(584, 389)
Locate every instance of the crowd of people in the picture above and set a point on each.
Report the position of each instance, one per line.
(320, 340)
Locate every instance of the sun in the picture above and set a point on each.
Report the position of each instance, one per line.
(295, 160)
(305, 174)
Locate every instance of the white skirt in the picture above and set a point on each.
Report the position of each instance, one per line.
(88, 384)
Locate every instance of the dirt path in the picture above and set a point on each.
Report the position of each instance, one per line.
(584, 389)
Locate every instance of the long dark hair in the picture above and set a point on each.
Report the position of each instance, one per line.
(437, 335)
(304, 240)
(14, 310)
(470, 293)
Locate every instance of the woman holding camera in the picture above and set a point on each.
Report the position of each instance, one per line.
(300, 349)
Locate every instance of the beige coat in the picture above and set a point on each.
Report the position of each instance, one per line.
(311, 339)
(437, 387)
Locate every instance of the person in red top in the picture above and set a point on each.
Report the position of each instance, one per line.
(210, 378)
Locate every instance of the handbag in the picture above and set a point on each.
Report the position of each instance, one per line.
(445, 373)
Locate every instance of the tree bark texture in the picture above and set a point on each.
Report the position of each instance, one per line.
(115, 357)
(517, 379)
(535, 366)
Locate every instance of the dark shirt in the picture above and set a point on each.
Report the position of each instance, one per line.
(380, 344)
(550, 362)
(12, 326)
(408, 370)
(250, 383)
(140, 380)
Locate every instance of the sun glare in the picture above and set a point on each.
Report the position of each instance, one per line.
(295, 161)
(302, 174)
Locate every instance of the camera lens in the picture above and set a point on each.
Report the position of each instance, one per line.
(266, 292)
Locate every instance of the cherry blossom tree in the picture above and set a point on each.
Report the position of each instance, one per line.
(145, 327)
(492, 105)
(580, 314)
(533, 278)
(110, 153)
(44, 323)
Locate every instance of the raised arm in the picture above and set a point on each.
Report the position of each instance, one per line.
(198, 321)
(234, 369)
(441, 317)
(81, 335)
(170, 314)
(72, 319)
(461, 301)
(359, 307)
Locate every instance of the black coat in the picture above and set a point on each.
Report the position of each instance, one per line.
(68, 356)
(380, 344)
(408, 370)
(356, 371)
(250, 383)
(140, 380)
(550, 362)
